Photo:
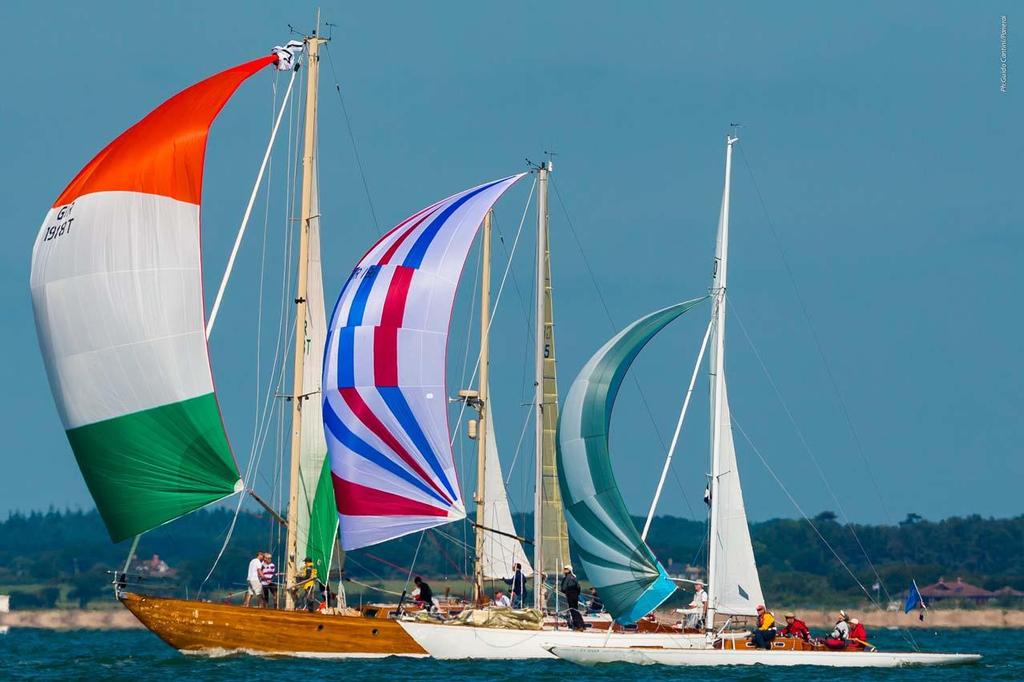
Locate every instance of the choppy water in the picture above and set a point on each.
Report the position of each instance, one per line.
(139, 656)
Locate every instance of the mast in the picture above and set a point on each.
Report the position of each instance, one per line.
(717, 373)
(539, 334)
(481, 450)
(298, 391)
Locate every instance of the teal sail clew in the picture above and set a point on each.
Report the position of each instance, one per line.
(628, 577)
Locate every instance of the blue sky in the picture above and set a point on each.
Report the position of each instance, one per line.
(887, 158)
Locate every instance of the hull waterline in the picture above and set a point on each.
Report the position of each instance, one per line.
(596, 655)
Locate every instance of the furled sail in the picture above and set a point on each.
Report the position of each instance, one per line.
(737, 590)
(385, 404)
(502, 551)
(630, 580)
(118, 298)
(317, 523)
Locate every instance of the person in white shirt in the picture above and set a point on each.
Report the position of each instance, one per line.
(700, 603)
(700, 597)
(501, 599)
(254, 578)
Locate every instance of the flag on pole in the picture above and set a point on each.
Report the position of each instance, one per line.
(914, 600)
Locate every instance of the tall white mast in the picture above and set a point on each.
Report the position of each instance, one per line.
(717, 372)
(299, 396)
(538, 378)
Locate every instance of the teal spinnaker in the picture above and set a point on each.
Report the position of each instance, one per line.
(628, 577)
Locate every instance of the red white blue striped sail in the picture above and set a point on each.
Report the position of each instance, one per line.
(385, 403)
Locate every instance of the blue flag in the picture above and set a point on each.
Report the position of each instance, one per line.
(914, 600)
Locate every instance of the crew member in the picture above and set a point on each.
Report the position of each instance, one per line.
(570, 587)
(840, 634)
(267, 573)
(699, 602)
(795, 627)
(252, 579)
(517, 584)
(501, 600)
(425, 598)
(596, 605)
(765, 632)
(305, 588)
(700, 597)
(858, 634)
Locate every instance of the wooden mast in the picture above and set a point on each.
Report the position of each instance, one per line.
(298, 392)
(538, 407)
(481, 442)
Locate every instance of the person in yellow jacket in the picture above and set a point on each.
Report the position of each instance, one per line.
(763, 636)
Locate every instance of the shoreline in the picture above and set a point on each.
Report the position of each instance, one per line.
(122, 619)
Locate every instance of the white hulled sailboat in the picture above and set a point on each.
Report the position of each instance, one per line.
(629, 578)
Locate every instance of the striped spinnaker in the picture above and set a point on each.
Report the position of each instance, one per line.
(630, 580)
(117, 292)
(385, 404)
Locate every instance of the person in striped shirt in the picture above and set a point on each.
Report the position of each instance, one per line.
(267, 572)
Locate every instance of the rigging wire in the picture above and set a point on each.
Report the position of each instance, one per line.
(265, 165)
(817, 341)
(807, 448)
(412, 566)
(352, 138)
(796, 505)
(611, 322)
(858, 443)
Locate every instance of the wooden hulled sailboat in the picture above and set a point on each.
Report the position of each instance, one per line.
(618, 562)
(117, 292)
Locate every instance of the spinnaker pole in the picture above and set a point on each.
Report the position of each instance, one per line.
(299, 396)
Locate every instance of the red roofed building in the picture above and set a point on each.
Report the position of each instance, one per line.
(958, 590)
(1008, 593)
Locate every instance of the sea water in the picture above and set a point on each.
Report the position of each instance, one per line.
(139, 656)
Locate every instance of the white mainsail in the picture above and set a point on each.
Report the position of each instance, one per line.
(500, 552)
(737, 585)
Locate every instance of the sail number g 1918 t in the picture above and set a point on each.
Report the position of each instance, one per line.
(63, 224)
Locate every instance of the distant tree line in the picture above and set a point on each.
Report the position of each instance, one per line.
(63, 557)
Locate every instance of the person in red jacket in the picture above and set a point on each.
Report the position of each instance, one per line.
(858, 635)
(795, 627)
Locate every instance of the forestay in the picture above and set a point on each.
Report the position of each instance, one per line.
(118, 301)
(628, 577)
(385, 399)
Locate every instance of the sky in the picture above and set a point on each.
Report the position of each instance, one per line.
(874, 331)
